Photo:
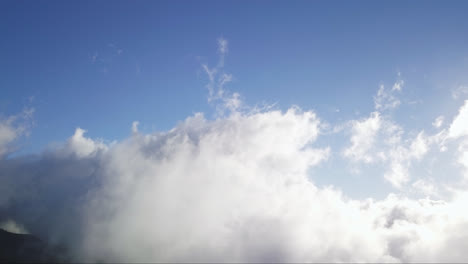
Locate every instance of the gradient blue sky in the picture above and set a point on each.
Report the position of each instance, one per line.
(102, 65)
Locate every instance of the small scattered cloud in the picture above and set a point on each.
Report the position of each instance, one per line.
(438, 122)
(81, 146)
(106, 57)
(461, 90)
(398, 85)
(380, 140)
(12, 128)
(135, 127)
(222, 45)
(116, 50)
(94, 57)
(363, 134)
(400, 158)
(385, 98)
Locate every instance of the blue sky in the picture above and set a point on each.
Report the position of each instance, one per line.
(102, 65)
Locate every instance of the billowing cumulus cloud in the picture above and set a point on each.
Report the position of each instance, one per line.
(232, 189)
(238, 189)
(458, 131)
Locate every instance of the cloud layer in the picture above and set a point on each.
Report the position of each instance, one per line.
(231, 189)
(237, 189)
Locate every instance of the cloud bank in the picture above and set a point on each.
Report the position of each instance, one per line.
(238, 189)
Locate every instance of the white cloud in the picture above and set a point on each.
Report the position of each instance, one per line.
(426, 187)
(226, 101)
(363, 136)
(438, 122)
(233, 103)
(82, 146)
(13, 127)
(245, 159)
(135, 127)
(211, 74)
(419, 147)
(401, 157)
(386, 99)
(380, 140)
(459, 91)
(397, 174)
(233, 189)
(462, 155)
(459, 127)
(458, 132)
(217, 78)
(7, 135)
(398, 85)
(222, 45)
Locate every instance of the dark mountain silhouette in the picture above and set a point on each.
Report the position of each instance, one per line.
(21, 248)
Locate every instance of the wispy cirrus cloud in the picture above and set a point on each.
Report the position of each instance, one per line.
(386, 99)
(104, 58)
(218, 79)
